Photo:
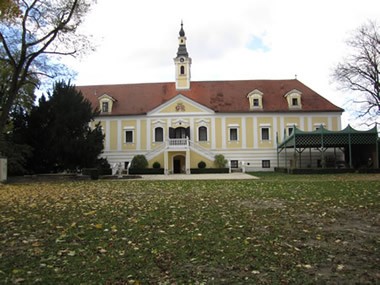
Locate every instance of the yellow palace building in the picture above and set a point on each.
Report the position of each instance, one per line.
(181, 123)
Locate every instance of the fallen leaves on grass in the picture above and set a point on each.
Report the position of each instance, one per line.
(188, 231)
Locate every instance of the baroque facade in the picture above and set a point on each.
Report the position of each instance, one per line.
(181, 123)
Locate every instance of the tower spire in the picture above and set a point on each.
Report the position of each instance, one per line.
(182, 62)
(182, 51)
(181, 32)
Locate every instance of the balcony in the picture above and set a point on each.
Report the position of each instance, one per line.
(177, 143)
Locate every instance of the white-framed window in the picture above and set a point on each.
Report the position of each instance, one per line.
(265, 163)
(158, 134)
(202, 133)
(106, 103)
(129, 136)
(233, 134)
(105, 107)
(265, 135)
(293, 98)
(255, 99)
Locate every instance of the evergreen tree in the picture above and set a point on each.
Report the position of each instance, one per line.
(13, 144)
(60, 133)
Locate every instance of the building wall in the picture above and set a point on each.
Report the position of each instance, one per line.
(250, 145)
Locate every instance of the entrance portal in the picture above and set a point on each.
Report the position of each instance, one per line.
(179, 164)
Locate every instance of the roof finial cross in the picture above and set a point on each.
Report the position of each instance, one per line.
(181, 32)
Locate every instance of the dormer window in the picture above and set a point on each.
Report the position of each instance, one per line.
(294, 99)
(106, 103)
(255, 98)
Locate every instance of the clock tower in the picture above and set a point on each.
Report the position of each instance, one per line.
(182, 63)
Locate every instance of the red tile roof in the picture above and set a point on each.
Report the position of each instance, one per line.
(220, 96)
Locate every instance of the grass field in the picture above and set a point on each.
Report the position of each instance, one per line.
(280, 229)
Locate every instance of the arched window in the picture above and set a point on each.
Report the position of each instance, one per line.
(182, 70)
(158, 134)
(202, 133)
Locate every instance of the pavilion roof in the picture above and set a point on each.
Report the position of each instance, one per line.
(323, 137)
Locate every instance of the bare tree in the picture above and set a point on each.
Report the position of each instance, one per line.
(359, 72)
(32, 43)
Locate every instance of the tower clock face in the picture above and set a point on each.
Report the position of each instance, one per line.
(181, 59)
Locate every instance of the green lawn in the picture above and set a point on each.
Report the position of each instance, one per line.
(279, 229)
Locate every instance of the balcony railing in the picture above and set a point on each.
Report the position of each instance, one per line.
(178, 143)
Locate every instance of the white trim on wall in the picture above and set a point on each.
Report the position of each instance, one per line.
(255, 134)
(119, 136)
(108, 135)
(224, 138)
(213, 133)
(243, 133)
(148, 131)
(274, 131)
(138, 134)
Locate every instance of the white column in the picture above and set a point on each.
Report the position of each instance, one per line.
(108, 134)
(339, 120)
(213, 136)
(148, 134)
(255, 134)
(192, 134)
(166, 162)
(138, 134)
(302, 123)
(281, 130)
(275, 129)
(243, 133)
(119, 135)
(310, 125)
(329, 123)
(188, 161)
(224, 137)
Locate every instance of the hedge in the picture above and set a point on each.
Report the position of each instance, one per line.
(146, 171)
(101, 171)
(208, 170)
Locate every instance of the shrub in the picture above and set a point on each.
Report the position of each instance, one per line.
(156, 165)
(102, 163)
(139, 161)
(92, 172)
(220, 161)
(202, 164)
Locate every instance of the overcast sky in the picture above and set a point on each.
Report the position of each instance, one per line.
(227, 40)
